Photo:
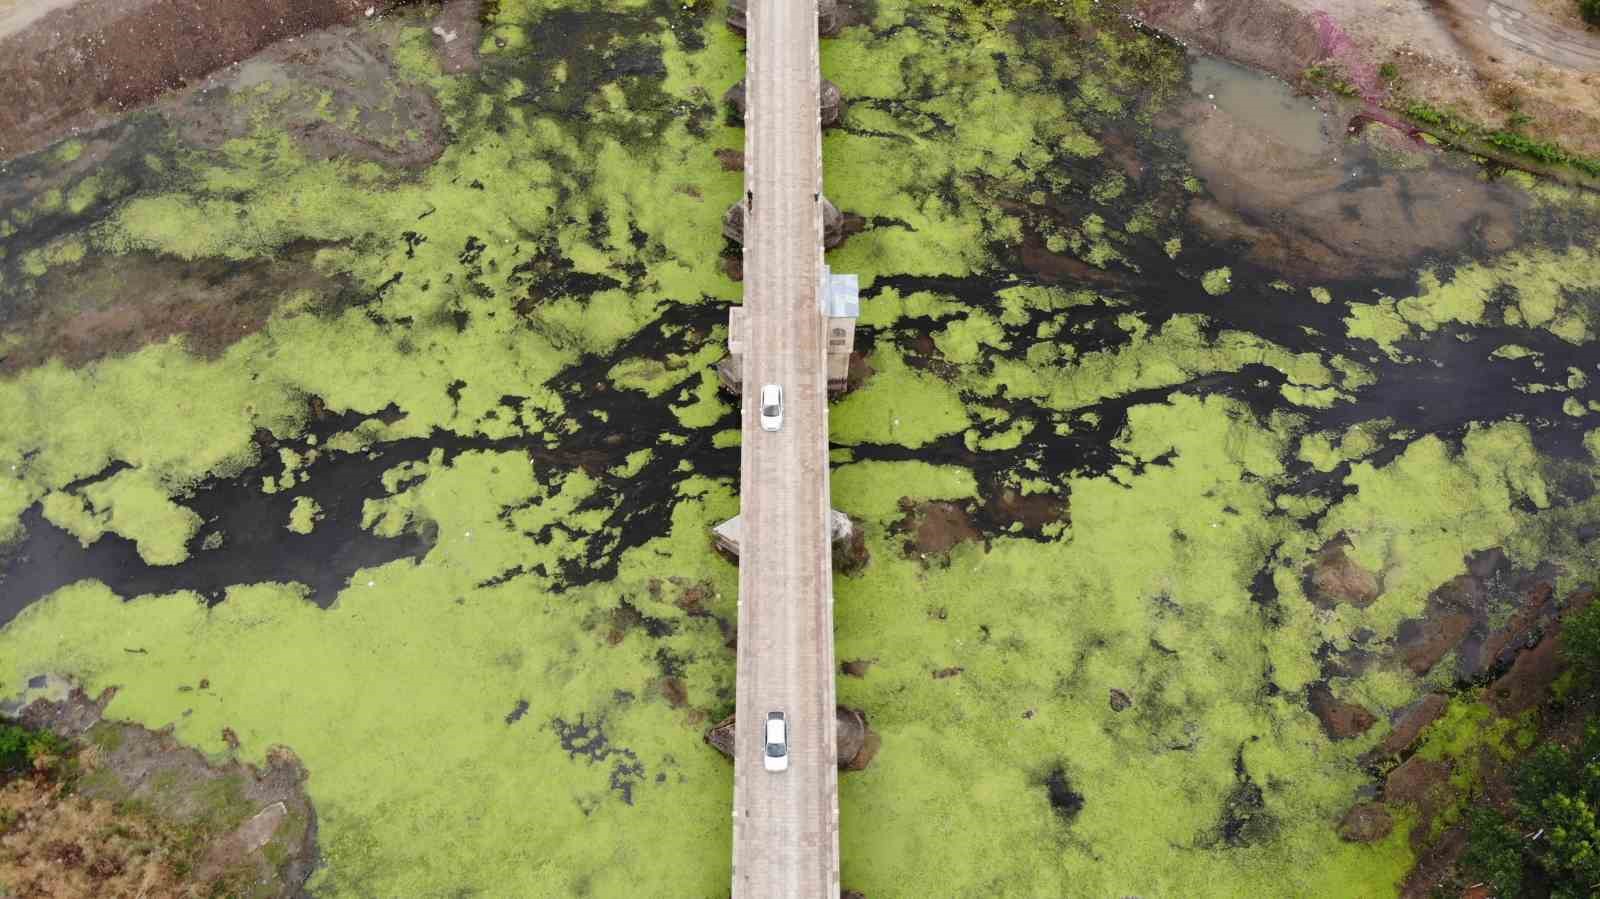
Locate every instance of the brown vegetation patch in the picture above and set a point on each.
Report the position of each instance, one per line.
(857, 667)
(1366, 822)
(110, 305)
(851, 554)
(1340, 720)
(93, 59)
(138, 814)
(337, 92)
(1032, 511)
(1333, 577)
(935, 526)
(674, 692)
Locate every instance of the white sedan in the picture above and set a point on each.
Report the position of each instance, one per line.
(776, 758)
(771, 407)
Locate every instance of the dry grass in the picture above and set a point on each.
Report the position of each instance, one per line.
(56, 844)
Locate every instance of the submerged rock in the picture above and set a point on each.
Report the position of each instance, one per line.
(1366, 822)
(1422, 642)
(1341, 720)
(1412, 722)
(856, 667)
(935, 527)
(1333, 577)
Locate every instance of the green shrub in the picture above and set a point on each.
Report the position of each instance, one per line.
(1551, 825)
(1580, 644)
(1494, 851)
(1590, 10)
(20, 747)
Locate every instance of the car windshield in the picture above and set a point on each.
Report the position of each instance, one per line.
(775, 749)
(770, 410)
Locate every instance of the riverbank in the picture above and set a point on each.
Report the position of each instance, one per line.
(1517, 85)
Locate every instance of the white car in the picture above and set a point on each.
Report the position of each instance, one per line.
(771, 407)
(776, 758)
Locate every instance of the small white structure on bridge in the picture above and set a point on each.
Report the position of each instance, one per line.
(841, 305)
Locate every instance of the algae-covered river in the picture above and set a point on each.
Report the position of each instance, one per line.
(1197, 437)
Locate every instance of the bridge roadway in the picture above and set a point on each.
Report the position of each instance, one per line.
(786, 833)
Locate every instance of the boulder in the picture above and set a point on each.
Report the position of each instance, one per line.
(1416, 780)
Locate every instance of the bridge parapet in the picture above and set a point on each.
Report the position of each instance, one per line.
(829, 17)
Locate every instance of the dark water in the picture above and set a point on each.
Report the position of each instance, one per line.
(1453, 385)
(257, 546)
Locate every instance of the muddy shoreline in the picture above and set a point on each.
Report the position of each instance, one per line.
(85, 63)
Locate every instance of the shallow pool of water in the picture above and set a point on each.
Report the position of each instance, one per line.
(1261, 101)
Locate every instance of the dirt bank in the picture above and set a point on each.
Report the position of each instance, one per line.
(81, 63)
(1514, 64)
(114, 809)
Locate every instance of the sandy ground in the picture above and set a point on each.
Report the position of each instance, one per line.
(16, 15)
(68, 65)
(1528, 64)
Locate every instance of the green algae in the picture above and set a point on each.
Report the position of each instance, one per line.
(132, 504)
(1327, 451)
(1218, 281)
(1416, 519)
(594, 177)
(1537, 288)
(1061, 623)
(406, 637)
(898, 405)
(1176, 354)
(702, 405)
(986, 119)
(304, 516)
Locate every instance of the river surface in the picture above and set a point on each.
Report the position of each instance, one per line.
(383, 400)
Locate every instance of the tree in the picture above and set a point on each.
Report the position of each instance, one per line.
(1590, 10)
(1580, 634)
(1551, 824)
